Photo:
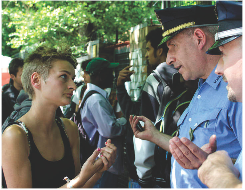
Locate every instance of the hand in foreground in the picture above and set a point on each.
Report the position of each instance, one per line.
(124, 75)
(149, 129)
(91, 166)
(108, 155)
(188, 155)
(218, 171)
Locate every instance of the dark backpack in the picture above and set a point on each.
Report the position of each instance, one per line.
(20, 110)
(86, 149)
(174, 107)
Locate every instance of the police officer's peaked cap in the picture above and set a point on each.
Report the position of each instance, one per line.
(174, 20)
(230, 24)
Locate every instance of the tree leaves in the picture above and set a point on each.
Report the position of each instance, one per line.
(25, 23)
(29, 22)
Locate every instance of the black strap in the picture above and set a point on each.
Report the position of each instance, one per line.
(85, 98)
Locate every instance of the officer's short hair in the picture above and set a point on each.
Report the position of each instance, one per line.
(208, 30)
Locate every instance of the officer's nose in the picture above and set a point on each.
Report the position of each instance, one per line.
(220, 67)
(170, 59)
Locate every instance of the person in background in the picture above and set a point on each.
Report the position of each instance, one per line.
(41, 150)
(99, 120)
(189, 32)
(218, 171)
(11, 91)
(79, 92)
(148, 104)
(164, 85)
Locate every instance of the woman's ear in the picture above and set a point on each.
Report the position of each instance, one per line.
(200, 38)
(36, 80)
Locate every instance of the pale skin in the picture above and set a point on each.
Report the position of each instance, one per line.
(188, 54)
(150, 132)
(230, 66)
(188, 155)
(40, 120)
(167, 142)
(198, 65)
(218, 170)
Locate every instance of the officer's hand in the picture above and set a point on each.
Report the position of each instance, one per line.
(218, 171)
(149, 130)
(189, 155)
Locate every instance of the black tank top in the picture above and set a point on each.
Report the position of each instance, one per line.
(50, 174)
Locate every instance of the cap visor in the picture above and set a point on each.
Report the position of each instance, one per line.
(113, 65)
(214, 50)
(166, 38)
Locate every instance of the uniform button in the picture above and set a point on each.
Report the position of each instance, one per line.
(189, 119)
(199, 96)
(195, 125)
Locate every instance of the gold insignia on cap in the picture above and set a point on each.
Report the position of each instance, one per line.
(158, 18)
(177, 28)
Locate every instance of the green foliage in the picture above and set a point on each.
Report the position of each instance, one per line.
(76, 22)
(27, 23)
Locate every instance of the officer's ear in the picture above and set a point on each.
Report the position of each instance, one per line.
(36, 80)
(200, 38)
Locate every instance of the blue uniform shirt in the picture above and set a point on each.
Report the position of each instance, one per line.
(98, 115)
(210, 112)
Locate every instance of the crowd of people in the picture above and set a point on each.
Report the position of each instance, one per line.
(184, 131)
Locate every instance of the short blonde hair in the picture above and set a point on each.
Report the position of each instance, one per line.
(40, 61)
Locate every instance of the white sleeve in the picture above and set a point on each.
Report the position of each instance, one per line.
(144, 157)
(118, 108)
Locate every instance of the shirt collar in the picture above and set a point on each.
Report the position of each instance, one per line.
(213, 79)
(91, 86)
(108, 90)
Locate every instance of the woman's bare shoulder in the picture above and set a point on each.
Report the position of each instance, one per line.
(70, 127)
(14, 137)
(14, 131)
